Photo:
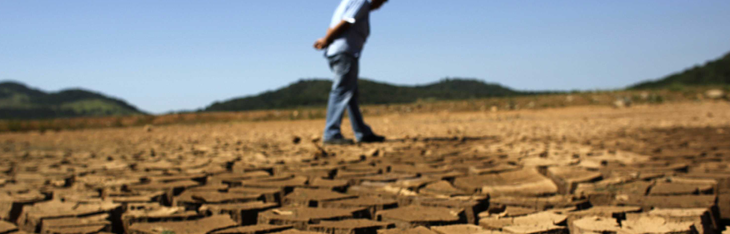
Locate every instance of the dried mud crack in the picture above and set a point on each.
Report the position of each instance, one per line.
(644, 169)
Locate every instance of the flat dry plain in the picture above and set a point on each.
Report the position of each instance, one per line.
(644, 169)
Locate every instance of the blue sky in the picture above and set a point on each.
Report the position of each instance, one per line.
(177, 54)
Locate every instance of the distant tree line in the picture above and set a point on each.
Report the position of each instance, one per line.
(314, 92)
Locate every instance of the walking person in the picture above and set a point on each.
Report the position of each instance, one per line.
(343, 43)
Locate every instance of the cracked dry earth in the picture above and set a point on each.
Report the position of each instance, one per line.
(644, 169)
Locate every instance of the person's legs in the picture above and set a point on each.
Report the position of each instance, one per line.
(343, 87)
(353, 108)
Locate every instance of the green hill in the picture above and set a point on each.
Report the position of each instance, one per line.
(712, 73)
(315, 92)
(18, 101)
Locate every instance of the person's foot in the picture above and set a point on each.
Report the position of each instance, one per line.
(338, 141)
(372, 139)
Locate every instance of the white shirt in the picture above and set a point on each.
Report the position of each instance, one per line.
(352, 40)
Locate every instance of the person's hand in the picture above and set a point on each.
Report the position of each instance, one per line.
(321, 43)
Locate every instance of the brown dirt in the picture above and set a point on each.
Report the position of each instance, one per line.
(412, 216)
(205, 225)
(295, 231)
(524, 171)
(301, 217)
(416, 230)
(7, 227)
(254, 229)
(313, 197)
(352, 223)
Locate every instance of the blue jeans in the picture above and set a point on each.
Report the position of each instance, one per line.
(344, 96)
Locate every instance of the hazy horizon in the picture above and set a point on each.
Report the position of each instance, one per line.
(183, 55)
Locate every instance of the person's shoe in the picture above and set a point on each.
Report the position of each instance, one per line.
(338, 141)
(372, 139)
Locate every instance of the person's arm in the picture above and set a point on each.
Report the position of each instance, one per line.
(332, 33)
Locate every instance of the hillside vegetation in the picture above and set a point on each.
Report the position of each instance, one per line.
(307, 93)
(712, 73)
(18, 101)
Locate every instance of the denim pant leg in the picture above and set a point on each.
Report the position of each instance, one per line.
(353, 110)
(344, 96)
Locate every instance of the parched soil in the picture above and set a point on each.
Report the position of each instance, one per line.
(644, 169)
